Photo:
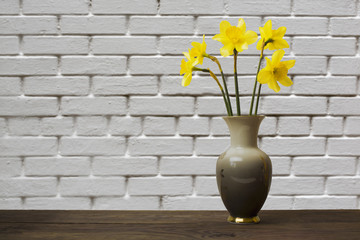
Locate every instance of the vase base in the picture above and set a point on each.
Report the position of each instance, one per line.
(238, 220)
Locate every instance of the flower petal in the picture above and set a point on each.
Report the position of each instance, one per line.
(289, 63)
(250, 37)
(182, 67)
(268, 29)
(227, 50)
(277, 56)
(264, 76)
(223, 26)
(280, 44)
(241, 25)
(186, 79)
(259, 44)
(279, 33)
(285, 81)
(274, 85)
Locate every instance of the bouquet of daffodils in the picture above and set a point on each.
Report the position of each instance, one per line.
(235, 40)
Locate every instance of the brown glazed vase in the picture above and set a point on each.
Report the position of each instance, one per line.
(243, 171)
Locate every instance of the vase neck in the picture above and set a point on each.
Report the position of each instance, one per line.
(244, 130)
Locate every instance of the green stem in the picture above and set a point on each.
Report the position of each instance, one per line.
(222, 91)
(214, 59)
(236, 85)
(257, 100)
(255, 84)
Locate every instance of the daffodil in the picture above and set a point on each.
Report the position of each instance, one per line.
(276, 71)
(272, 39)
(199, 50)
(187, 68)
(234, 37)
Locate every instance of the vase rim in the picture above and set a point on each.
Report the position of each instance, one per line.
(244, 117)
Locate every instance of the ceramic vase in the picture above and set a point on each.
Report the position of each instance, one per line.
(243, 171)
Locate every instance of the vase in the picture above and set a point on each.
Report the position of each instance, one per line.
(243, 171)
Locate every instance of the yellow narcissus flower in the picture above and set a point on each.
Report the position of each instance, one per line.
(187, 68)
(273, 39)
(234, 37)
(276, 71)
(199, 50)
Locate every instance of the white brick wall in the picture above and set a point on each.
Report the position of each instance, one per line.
(93, 115)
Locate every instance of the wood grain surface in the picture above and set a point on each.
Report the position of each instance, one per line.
(128, 225)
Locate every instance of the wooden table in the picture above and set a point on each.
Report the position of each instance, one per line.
(172, 225)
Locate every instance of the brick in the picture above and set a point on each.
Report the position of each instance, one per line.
(24, 126)
(280, 165)
(57, 203)
(92, 25)
(285, 105)
(324, 46)
(298, 185)
(27, 187)
(126, 126)
(206, 186)
(168, 106)
(28, 146)
(264, 7)
(28, 25)
(171, 85)
(165, 25)
(351, 29)
(325, 8)
(126, 203)
(294, 126)
(10, 86)
(268, 126)
(91, 126)
(56, 86)
(332, 202)
(345, 65)
(188, 165)
(210, 25)
(55, 7)
(129, 166)
(344, 146)
(28, 66)
(343, 185)
(3, 127)
(344, 106)
(93, 106)
(92, 146)
(125, 85)
(315, 85)
(293, 146)
(211, 146)
(9, 45)
(57, 166)
(159, 126)
(93, 65)
(124, 45)
(85, 186)
(10, 167)
(161, 146)
(193, 126)
(215, 106)
(327, 126)
(309, 65)
(9, 7)
(124, 7)
(352, 126)
(301, 25)
(160, 186)
(154, 65)
(10, 203)
(55, 45)
(25, 106)
(57, 126)
(213, 7)
(278, 203)
(193, 203)
(324, 166)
